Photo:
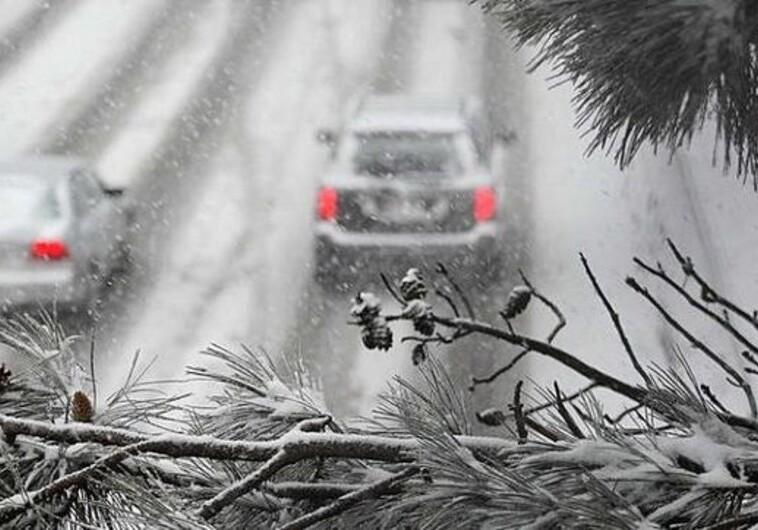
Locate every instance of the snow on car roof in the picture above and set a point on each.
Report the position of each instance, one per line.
(41, 166)
(409, 113)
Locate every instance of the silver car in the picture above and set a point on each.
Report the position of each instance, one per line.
(409, 184)
(61, 233)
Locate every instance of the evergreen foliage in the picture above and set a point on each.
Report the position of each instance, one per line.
(650, 71)
(266, 453)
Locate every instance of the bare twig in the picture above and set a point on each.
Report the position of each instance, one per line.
(449, 301)
(616, 321)
(567, 419)
(518, 408)
(388, 285)
(226, 497)
(566, 399)
(92, 372)
(720, 320)
(691, 272)
(712, 398)
(749, 357)
(457, 288)
(623, 414)
(475, 381)
(560, 324)
(697, 343)
(561, 320)
(351, 499)
(544, 348)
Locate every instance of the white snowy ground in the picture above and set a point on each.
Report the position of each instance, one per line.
(60, 70)
(236, 270)
(13, 12)
(234, 273)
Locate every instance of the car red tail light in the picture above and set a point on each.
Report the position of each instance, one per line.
(49, 249)
(485, 204)
(328, 204)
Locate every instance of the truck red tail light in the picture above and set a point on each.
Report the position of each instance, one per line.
(49, 249)
(485, 203)
(328, 204)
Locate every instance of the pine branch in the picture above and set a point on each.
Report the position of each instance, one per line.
(616, 321)
(350, 499)
(562, 356)
(226, 497)
(13, 506)
(304, 444)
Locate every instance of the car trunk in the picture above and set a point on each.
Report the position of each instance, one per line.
(406, 207)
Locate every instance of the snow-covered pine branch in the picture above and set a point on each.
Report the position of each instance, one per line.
(267, 452)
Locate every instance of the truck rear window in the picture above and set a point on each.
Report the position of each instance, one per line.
(391, 154)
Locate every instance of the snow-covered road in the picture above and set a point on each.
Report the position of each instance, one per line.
(215, 138)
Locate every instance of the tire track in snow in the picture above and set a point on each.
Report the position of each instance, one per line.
(166, 190)
(31, 25)
(291, 97)
(86, 127)
(319, 329)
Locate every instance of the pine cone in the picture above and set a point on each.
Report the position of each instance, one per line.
(424, 325)
(81, 408)
(412, 286)
(366, 307)
(383, 336)
(420, 313)
(419, 354)
(375, 333)
(518, 299)
(5, 378)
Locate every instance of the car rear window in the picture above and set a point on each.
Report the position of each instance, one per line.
(385, 154)
(27, 199)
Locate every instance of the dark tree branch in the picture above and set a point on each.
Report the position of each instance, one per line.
(212, 507)
(457, 288)
(616, 321)
(561, 320)
(712, 398)
(623, 414)
(449, 301)
(722, 321)
(691, 272)
(560, 324)
(697, 343)
(566, 399)
(565, 414)
(349, 500)
(517, 408)
(476, 381)
(555, 353)
(391, 289)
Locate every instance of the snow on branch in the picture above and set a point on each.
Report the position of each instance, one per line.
(267, 453)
